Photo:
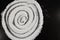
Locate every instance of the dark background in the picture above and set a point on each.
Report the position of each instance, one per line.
(51, 27)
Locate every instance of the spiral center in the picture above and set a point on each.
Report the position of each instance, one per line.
(23, 19)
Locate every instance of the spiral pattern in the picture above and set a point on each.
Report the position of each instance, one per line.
(22, 19)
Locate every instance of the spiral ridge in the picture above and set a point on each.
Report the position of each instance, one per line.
(22, 19)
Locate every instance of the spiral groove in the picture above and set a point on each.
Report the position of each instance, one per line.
(22, 19)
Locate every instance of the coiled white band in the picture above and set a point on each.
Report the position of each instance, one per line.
(22, 20)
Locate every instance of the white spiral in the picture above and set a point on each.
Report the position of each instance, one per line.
(22, 18)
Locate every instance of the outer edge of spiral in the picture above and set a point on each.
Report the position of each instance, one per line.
(37, 31)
